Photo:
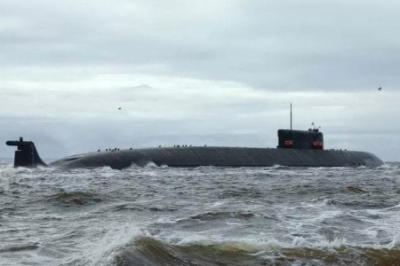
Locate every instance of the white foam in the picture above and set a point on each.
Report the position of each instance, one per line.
(117, 235)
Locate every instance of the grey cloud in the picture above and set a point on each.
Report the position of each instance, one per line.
(281, 45)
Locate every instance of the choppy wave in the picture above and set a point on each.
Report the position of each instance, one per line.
(149, 251)
(207, 216)
(200, 216)
(19, 248)
(76, 197)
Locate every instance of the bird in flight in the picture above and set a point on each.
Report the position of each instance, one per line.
(380, 88)
(119, 108)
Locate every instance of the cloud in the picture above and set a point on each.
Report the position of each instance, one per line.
(280, 45)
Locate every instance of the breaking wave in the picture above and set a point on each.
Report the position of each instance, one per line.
(149, 251)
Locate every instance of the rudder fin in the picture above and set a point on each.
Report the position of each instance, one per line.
(26, 154)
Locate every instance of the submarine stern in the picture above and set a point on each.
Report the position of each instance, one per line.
(26, 154)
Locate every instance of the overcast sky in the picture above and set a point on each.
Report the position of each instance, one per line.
(216, 72)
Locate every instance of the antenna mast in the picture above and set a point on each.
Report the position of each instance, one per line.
(291, 116)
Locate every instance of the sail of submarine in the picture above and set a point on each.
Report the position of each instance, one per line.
(297, 148)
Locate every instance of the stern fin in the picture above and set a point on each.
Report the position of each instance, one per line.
(26, 154)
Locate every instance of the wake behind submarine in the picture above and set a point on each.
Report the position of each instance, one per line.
(301, 148)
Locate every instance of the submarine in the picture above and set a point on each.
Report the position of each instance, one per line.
(296, 148)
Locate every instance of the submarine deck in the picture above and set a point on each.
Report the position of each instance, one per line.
(220, 156)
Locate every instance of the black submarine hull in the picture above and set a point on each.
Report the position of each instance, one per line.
(219, 156)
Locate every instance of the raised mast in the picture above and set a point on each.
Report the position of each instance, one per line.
(291, 117)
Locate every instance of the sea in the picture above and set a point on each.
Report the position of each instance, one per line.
(200, 216)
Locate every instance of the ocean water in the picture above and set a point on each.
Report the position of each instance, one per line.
(200, 216)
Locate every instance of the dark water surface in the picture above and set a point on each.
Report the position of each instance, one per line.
(200, 216)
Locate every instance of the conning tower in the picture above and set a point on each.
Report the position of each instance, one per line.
(300, 139)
